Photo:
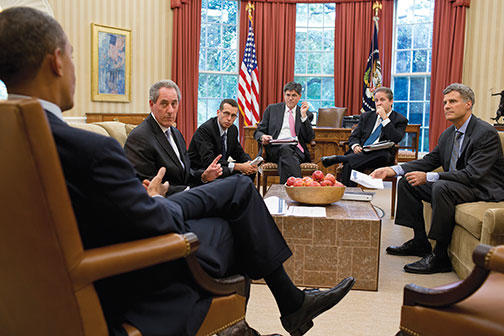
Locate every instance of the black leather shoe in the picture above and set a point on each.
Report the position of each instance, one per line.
(315, 303)
(411, 248)
(330, 160)
(241, 329)
(430, 264)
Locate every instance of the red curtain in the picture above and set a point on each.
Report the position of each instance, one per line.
(352, 40)
(185, 61)
(447, 59)
(275, 37)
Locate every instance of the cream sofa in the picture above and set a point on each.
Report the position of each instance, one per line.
(475, 223)
(114, 129)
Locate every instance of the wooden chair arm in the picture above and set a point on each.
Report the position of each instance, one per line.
(450, 294)
(103, 262)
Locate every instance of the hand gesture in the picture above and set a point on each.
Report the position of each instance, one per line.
(304, 109)
(357, 149)
(155, 186)
(213, 171)
(246, 168)
(416, 178)
(382, 173)
(265, 139)
(380, 111)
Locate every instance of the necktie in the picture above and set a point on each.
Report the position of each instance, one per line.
(375, 135)
(223, 146)
(292, 127)
(171, 141)
(455, 151)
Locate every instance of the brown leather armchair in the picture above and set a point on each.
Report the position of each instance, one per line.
(474, 306)
(46, 282)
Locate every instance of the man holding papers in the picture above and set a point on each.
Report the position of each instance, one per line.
(382, 125)
(286, 120)
(470, 154)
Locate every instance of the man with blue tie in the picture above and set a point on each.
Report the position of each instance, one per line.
(157, 143)
(384, 124)
(470, 154)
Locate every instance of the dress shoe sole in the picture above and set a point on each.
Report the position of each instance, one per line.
(428, 271)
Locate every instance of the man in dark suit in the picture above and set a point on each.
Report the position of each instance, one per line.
(157, 143)
(219, 135)
(111, 205)
(284, 120)
(471, 156)
(382, 125)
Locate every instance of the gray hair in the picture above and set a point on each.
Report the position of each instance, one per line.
(387, 91)
(27, 36)
(465, 91)
(166, 83)
(293, 86)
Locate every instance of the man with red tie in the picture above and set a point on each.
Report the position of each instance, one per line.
(285, 120)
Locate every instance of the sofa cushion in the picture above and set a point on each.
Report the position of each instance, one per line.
(115, 129)
(90, 127)
(470, 215)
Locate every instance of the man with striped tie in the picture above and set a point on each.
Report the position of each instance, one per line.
(382, 125)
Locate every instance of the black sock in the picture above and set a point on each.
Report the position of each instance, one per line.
(420, 235)
(288, 297)
(441, 249)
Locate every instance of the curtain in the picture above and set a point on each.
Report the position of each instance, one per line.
(185, 61)
(275, 37)
(447, 59)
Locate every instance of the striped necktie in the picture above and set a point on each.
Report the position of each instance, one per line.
(375, 135)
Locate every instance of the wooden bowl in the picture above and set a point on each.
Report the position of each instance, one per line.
(315, 195)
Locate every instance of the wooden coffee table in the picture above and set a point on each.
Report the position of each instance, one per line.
(326, 250)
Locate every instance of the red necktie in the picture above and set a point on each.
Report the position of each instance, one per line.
(293, 129)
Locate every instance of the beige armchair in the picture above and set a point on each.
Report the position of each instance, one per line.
(46, 282)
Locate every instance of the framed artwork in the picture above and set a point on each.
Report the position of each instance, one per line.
(111, 64)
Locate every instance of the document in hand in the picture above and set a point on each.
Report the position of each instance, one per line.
(366, 180)
(378, 145)
(284, 141)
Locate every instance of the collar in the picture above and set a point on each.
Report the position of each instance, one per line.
(287, 109)
(221, 130)
(46, 105)
(463, 128)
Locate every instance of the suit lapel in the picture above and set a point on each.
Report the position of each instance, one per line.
(467, 135)
(177, 137)
(217, 136)
(278, 120)
(449, 147)
(371, 123)
(163, 141)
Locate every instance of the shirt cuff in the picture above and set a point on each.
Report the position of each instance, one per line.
(304, 119)
(398, 170)
(231, 165)
(353, 146)
(432, 176)
(385, 122)
(158, 196)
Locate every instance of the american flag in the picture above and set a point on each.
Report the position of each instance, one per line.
(372, 74)
(248, 85)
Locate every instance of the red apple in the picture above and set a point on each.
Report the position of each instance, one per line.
(338, 184)
(291, 180)
(325, 183)
(307, 180)
(318, 175)
(329, 182)
(314, 184)
(330, 177)
(298, 183)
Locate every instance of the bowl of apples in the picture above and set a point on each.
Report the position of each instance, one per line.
(318, 189)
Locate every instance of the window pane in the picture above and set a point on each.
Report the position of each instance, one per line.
(316, 12)
(229, 37)
(202, 92)
(403, 61)
(214, 35)
(401, 108)
(214, 4)
(415, 113)
(401, 88)
(230, 86)
(202, 111)
(214, 85)
(230, 10)
(314, 39)
(427, 114)
(425, 140)
(420, 61)
(313, 88)
(417, 89)
(301, 36)
(329, 40)
(202, 59)
(228, 60)
(328, 64)
(314, 63)
(328, 90)
(421, 36)
(427, 90)
(213, 58)
(301, 15)
(300, 63)
(328, 15)
(404, 37)
(403, 11)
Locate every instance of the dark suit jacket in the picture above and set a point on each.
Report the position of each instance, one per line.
(394, 131)
(271, 124)
(148, 149)
(480, 165)
(111, 206)
(206, 145)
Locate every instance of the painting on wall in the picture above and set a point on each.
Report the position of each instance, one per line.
(111, 67)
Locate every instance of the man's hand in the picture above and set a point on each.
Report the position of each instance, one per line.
(155, 187)
(304, 109)
(381, 112)
(246, 168)
(357, 149)
(265, 139)
(382, 173)
(416, 178)
(213, 171)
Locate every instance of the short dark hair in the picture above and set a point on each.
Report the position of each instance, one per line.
(293, 86)
(166, 83)
(465, 91)
(229, 101)
(27, 36)
(386, 90)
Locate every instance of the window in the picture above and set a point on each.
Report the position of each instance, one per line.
(314, 58)
(411, 64)
(218, 61)
(3, 90)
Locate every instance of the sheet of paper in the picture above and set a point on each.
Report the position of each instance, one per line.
(366, 180)
(276, 205)
(306, 211)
